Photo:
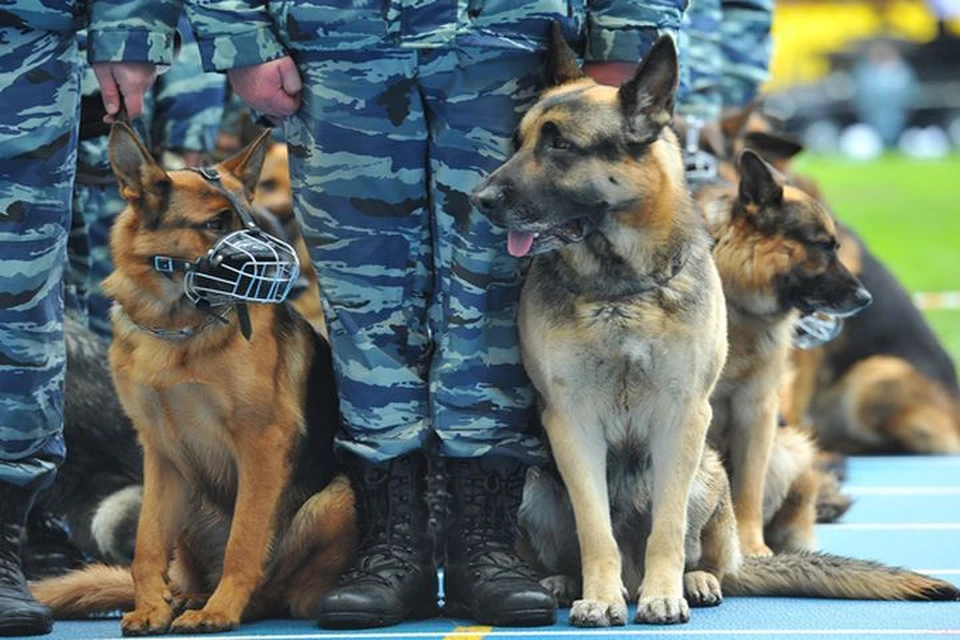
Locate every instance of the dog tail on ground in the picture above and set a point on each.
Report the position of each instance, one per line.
(821, 575)
(97, 589)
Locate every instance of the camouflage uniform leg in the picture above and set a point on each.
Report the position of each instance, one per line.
(99, 204)
(357, 153)
(77, 277)
(38, 137)
(702, 51)
(482, 400)
(745, 36)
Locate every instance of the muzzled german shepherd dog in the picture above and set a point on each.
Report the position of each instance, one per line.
(623, 332)
(240, 484)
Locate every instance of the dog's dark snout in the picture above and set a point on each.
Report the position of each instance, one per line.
(488, 198)
(863, 298)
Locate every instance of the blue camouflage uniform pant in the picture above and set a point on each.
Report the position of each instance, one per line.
(39, 91)
(404, 112)
(419, 292)
(726, 46)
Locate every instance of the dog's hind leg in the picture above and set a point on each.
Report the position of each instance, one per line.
(676, 449)
(581, 456)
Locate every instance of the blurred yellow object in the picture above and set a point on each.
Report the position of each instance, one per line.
(805, 33)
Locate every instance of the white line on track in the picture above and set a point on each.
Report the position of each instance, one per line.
(581, 633)
(855, 491)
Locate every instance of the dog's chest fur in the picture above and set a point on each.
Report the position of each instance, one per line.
(191, 410)
(623, 356)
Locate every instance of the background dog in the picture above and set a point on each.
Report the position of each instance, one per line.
(776, 251)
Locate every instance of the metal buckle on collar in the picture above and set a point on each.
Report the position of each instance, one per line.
(163, 264)
(209, 173)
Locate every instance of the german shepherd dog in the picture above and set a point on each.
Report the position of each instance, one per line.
(885, 384)
(623, 331)
(240, 484)
(776, 251)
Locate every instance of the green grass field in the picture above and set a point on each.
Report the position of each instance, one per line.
(908, 212)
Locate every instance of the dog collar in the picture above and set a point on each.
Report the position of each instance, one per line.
(176, 334)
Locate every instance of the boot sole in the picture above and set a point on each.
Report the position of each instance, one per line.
(25, 626)
(367, 620)
(536, 617)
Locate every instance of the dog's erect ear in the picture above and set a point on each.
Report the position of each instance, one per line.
(760, 184)
(143, 183)
(561, 64)
(248, 162)
(773, 147)
(648, 97)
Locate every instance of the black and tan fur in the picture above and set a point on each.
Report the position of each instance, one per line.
(776, 251)
(240, 485)
(624, 333)
(624, 337)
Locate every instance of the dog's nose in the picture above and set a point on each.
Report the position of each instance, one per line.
(863, 298)
(488, 198)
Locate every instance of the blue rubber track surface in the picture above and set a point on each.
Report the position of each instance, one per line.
(906, 512)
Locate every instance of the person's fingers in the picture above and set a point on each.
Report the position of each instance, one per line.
(290, 77)
(109, 90)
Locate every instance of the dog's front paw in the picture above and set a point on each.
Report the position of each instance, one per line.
(204, 621)
(565, 589)
(702, 589)
(662, 610)
(598, 613)
(147, 620)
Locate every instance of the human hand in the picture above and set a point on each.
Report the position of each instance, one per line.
(271, 87)
(613, 73)
(123, 84)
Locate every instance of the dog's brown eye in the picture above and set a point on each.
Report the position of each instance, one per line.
(268, 185)
(829, 245)
(220, 222)
(550, 134)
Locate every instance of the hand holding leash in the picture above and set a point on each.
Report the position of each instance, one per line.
(122, 85)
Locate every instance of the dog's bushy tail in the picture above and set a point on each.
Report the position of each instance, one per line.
(821, 575)
(97, 589)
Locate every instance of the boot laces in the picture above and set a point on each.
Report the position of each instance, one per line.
(385, 548)
(488, 526)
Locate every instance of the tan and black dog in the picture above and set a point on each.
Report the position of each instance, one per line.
(776, 251)
(623, 332)
(240, 485)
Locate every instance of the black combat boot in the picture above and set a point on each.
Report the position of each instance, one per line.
(394, 576)
(20, 614)
(484, 579)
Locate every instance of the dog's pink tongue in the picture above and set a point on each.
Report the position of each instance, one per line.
(519, 243)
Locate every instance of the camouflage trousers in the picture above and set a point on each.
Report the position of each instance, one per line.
(39, 86)
(726, 46)
(97, 206)
(418, 289)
